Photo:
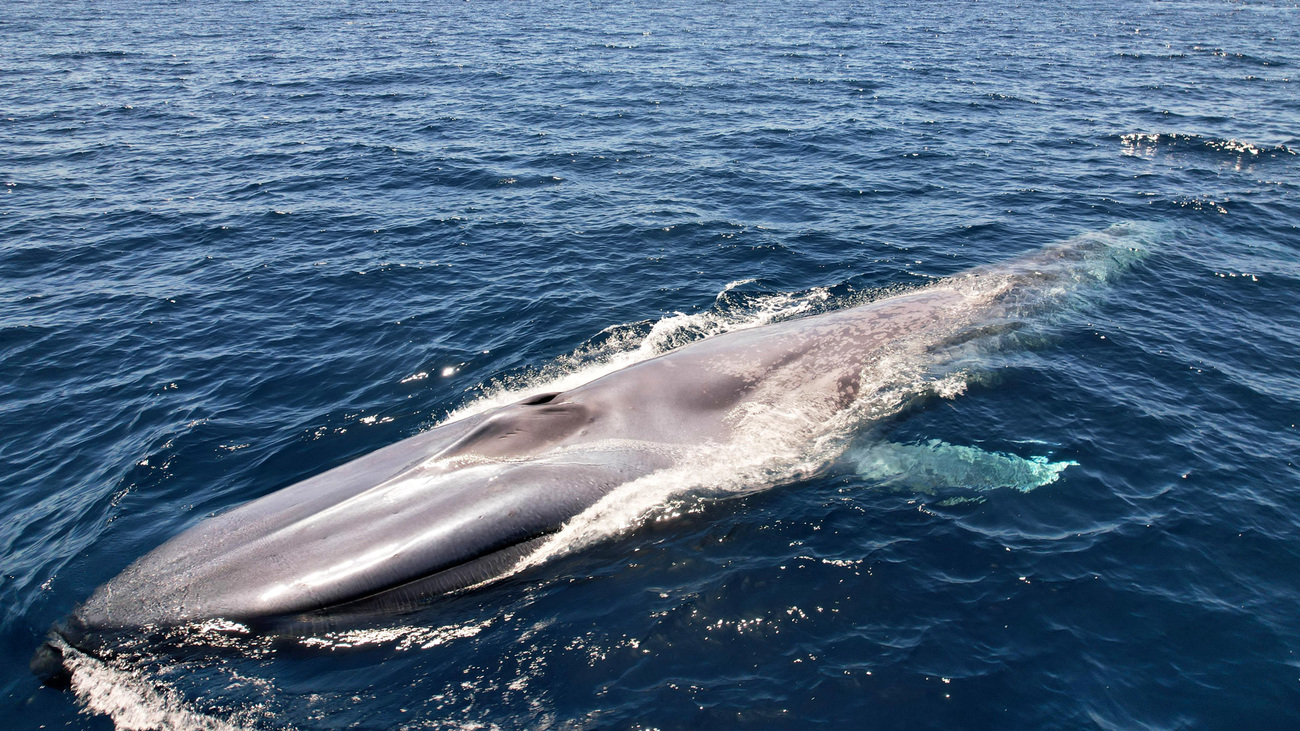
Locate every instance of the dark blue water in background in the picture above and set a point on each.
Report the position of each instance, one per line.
(244, 242)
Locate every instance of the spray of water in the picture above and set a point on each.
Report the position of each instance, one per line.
(134, 702)
(778, 440)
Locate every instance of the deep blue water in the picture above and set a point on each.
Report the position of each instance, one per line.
(244, 242)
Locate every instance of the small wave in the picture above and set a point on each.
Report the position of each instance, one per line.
(1244, 58)
(1146, 145)
(619, 346)
(82, 55)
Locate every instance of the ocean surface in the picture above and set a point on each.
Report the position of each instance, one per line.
(244, 242)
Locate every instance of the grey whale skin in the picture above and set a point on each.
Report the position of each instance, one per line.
(463, 501)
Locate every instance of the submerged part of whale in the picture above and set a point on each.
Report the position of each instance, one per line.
(466, 500)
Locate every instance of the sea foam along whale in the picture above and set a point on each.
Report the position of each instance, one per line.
(466, 500)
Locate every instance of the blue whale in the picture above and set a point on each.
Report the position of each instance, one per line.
(466, 500)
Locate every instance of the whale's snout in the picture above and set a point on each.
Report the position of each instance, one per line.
(47, 662)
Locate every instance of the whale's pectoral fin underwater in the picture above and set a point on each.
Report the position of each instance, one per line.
(935, 465)
(463, 502)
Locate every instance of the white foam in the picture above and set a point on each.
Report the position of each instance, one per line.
(132, 702)
(402, 637)
(776, 441)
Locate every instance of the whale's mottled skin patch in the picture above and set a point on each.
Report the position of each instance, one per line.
(446, 508)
